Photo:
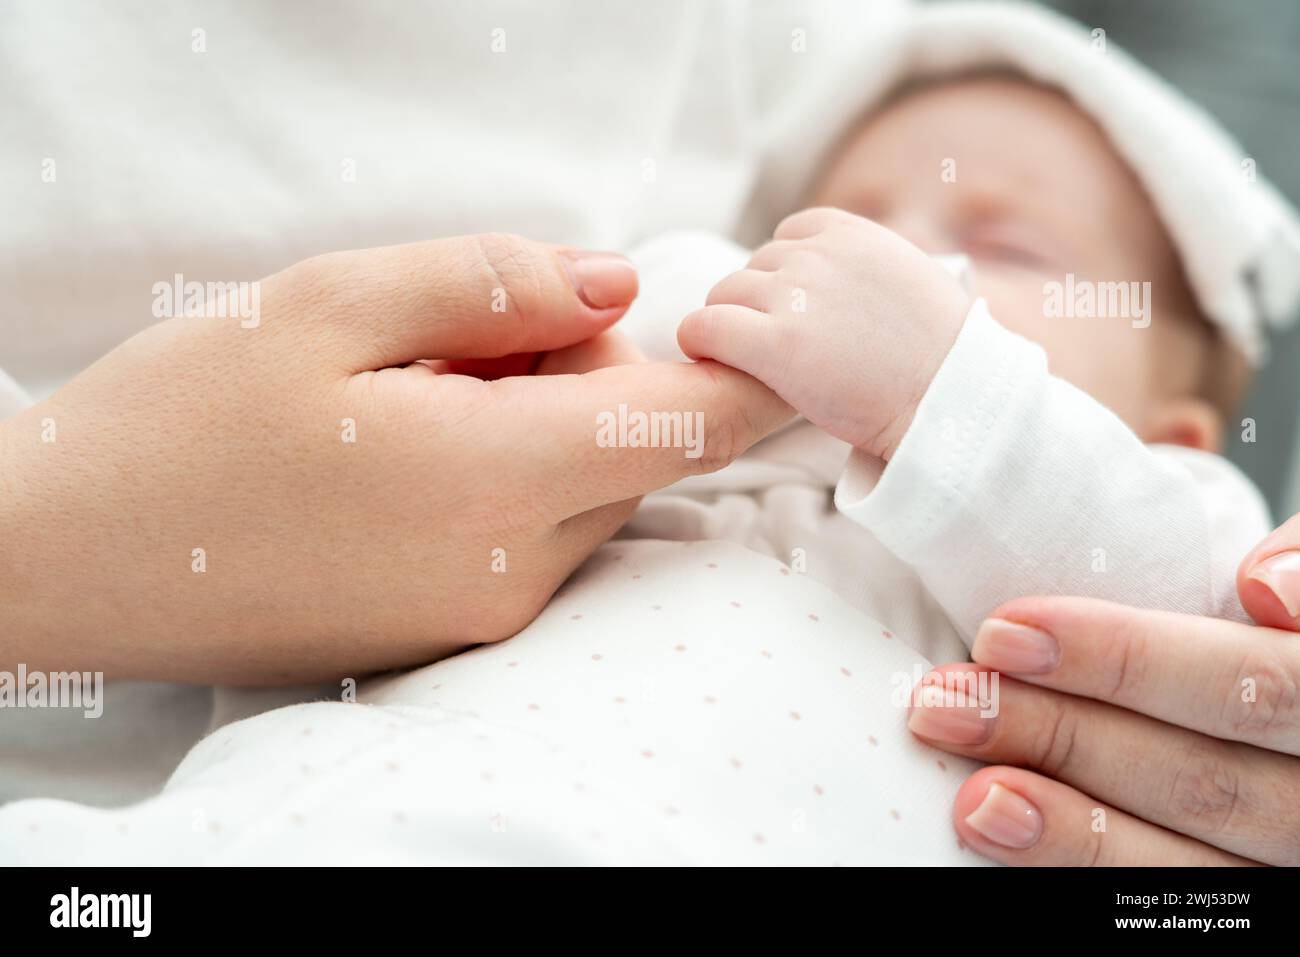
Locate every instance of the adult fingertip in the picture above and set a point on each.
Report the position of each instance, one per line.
(1270, 590)
(995, 814)
(602, 280)
(1015, 648)
(1006, 818)
(945, 715)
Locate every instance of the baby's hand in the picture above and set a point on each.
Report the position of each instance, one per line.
(844, 319)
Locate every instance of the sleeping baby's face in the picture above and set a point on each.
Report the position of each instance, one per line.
(1026, 185)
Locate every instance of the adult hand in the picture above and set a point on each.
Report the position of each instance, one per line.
(191, 507)
(1129, 737)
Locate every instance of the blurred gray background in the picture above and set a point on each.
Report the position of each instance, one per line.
(1241, 61)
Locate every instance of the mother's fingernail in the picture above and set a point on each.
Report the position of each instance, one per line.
(1005, 818)
(1280, 574)
(948, 716)
(602, 280)
(1016, 648)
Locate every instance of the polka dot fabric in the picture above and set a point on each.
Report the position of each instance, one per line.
(675, 704)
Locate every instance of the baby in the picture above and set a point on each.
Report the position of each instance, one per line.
(1049, 427)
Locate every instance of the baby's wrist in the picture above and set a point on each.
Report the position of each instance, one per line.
(951, 306)
(885, 443)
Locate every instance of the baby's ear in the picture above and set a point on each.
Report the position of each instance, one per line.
(1187, 421)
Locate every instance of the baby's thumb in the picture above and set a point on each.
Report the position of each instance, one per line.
(1268, 581)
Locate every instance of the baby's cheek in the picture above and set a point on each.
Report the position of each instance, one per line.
(1017, 301)
(1104, 357)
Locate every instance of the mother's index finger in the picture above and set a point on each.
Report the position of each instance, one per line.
(1229, 680)
(619, 432)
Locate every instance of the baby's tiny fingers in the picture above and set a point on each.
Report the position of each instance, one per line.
(775, 254)
(737, 336)
(810, 222)
(748, 287)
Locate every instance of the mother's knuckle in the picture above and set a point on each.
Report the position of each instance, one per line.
(1124, 657)
(720, 447)
(513, 276)
(1205, 790)
(509, 261)
(321, 272)
(1100, 850)
(1056, 741)
(1262, 701)
(326, 286)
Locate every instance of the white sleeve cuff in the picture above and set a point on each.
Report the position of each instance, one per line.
(1010, 482)
(905, 506)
